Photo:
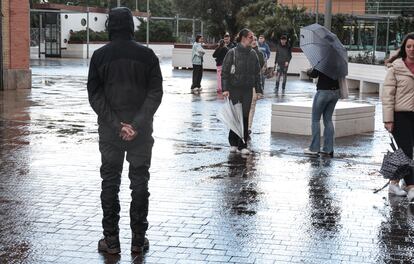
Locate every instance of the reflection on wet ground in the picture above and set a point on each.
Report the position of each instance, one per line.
(207, 206)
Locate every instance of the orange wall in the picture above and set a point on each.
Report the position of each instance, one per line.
(19, 15)
(338, 6)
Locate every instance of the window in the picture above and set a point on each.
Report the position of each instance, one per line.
(66, 16)
(96, 19)
(83, 22)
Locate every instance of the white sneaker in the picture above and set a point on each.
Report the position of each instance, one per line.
(307, 151)
(396, 190)
(410, 195)
(245, 151)
(233, 149)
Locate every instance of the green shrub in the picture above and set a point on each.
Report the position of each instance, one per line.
(160, 31)
(80, 36)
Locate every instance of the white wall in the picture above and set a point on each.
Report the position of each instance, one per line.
(79, 50)
(182, 58)
(72, 21)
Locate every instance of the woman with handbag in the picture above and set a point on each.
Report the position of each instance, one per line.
(324, 102)
(241, 72)
(398, 107)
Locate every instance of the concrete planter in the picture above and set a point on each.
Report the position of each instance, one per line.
(349, 118)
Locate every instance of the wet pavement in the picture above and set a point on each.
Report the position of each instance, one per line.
(206, 205)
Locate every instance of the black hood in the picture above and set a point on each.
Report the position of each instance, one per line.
(120, 23)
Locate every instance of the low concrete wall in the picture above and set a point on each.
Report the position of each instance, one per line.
(181, 58)
(79, 51)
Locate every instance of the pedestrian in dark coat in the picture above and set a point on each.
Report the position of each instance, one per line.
(283, 57)
(219, 55)
(238, 85)
(261, 56)
(125, 90)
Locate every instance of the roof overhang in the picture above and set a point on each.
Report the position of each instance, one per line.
(61, 8)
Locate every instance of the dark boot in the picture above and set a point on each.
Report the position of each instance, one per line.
(283, 86)
(139, 244)
(277, 86)
(110, 245)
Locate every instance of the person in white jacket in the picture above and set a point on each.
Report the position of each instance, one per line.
(197, 60)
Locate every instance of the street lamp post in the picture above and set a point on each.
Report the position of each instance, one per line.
(87, 29)
(317, 11)
(375, 36)
(328, 14)
(148, 21)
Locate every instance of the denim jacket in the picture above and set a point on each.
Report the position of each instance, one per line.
(197, 54)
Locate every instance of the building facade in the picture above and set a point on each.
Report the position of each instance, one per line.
(354, 7)
(15, 45)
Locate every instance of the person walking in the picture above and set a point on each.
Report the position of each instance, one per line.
(324, 103)
(261, 57)
(398, 107)
(197, 60)
(283, 57)
(241, 72)
(265, 49)
(219, 55)
(125, 90)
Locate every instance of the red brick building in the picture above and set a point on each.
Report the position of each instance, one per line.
(15, 45)
(354, 7)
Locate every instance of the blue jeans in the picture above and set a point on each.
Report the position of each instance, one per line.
(323, 104)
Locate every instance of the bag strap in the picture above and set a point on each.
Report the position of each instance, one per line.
(234, 57)
(393, 143)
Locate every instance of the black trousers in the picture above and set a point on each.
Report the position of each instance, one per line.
(244, 96)
(404, 136)
(138, 154)
(197, 76)
(281, 71)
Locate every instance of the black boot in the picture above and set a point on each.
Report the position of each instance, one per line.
(110, 245)
(139, 243)
(283, 86)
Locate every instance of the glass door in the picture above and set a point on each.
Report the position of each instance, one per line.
(52, 35)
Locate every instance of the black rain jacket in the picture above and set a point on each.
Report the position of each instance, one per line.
(247, 74)
(125, 81)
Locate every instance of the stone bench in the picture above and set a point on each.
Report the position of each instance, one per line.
(366, 85)
(367, 78)
(349, 118)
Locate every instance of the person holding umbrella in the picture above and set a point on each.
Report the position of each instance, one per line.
(398, 107)
(241, 72)
(329, 60)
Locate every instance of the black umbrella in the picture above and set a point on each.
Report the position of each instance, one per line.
(396, 165)
(324, 51)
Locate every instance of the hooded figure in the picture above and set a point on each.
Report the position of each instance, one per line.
(125, 90)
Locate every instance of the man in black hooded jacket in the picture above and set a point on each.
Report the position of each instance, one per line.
(125, 90)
